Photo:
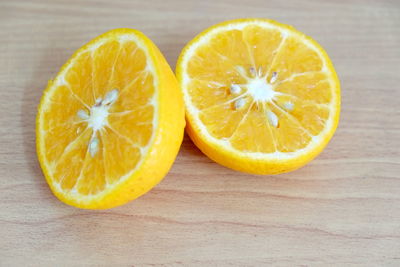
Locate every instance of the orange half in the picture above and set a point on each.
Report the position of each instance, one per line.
(110, 124)
(260, 96)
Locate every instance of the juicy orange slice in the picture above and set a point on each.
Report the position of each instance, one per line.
(110, 125)
(260, 96)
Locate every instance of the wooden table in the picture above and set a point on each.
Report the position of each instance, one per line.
(341, 209)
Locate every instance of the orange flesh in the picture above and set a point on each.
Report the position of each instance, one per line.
(117, 65)
(228, 59)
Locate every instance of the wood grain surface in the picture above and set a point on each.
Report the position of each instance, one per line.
(342, 209)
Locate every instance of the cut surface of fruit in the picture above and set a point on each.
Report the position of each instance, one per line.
(260, 96)
(110, 125)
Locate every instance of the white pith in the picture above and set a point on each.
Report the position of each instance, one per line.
(260, 90)
(98, 117)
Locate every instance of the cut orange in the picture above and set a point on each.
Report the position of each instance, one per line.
(110, 124)
(260, 96)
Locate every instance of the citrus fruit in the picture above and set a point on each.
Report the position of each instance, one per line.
(260, 96)
(110, 124)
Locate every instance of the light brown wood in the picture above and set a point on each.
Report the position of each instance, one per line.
(341, 209)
